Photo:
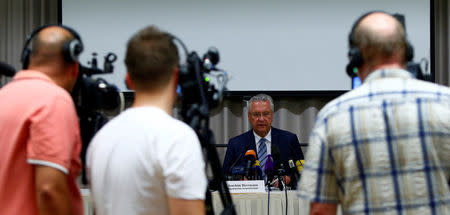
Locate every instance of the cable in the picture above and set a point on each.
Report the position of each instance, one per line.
(285, 193)
(268, 200)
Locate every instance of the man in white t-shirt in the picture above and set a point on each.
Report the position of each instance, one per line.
(144, 161)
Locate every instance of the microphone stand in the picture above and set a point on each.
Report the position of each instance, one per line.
(282, 183)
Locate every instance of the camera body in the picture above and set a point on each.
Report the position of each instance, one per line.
(96, 95)
(202, 84)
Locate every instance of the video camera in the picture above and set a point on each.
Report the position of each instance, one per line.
(94, 97)
(202, 84)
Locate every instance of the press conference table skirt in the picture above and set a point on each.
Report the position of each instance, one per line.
(256, 203)
(245, 204)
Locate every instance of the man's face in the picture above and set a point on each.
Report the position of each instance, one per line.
(260, 116)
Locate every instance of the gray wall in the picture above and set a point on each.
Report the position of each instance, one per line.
(264, 45)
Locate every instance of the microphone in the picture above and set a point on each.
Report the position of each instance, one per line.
(268, 169)
(211, 58)
(238, 173)
(293, 168)
(278, 165)
(257, 163)
(258, 172)
(276, 156)
(237, 159)
(299, 165)
(7, 70)
(294, 172)
(250, 156)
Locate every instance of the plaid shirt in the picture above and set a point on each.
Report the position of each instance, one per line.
(383, 148)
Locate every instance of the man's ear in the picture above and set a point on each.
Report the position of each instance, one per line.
(176, 75)
(75, 70)
(128, 82)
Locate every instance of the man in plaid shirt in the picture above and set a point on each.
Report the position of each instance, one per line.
(383, 148)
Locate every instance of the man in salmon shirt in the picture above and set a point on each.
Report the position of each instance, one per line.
(39, 131)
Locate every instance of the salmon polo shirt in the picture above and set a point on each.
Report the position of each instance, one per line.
(38, 126)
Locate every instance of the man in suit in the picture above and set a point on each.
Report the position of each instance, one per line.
(262, 138)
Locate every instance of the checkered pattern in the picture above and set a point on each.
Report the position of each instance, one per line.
(383, 148)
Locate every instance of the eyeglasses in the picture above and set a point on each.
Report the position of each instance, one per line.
(264, 114)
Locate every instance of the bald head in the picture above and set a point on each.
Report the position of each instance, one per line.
(381, 38)
(47, 56)
(48, 45)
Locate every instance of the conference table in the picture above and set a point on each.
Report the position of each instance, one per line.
(257, 203)
(245, 203)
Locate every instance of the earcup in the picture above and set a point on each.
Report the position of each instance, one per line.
(356, 60)
(71, 50)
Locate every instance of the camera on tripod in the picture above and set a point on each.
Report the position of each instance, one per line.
(92, 97)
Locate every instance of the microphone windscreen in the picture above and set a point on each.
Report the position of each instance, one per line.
(257, 163)
(299, 164)
(269, 164)
(250, 155)
(276, 156)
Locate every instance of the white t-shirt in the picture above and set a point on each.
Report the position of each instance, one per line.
(142, 157)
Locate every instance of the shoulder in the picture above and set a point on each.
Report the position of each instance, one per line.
(342, 103)
(148, 124)
(282, 133)
(246, 134)
(433, 89)
(53, 96)
(242, 137)
(52, 93)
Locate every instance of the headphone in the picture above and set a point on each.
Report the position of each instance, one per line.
(355, 55)
(71, 49)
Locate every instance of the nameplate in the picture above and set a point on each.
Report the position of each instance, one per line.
(246, 186)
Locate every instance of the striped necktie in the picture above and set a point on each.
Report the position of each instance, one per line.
(262, 154)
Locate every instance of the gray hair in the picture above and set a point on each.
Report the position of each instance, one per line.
(260, 97)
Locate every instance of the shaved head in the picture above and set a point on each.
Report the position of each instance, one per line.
(380, 36)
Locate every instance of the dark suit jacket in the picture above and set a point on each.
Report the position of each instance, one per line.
(286, 141)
